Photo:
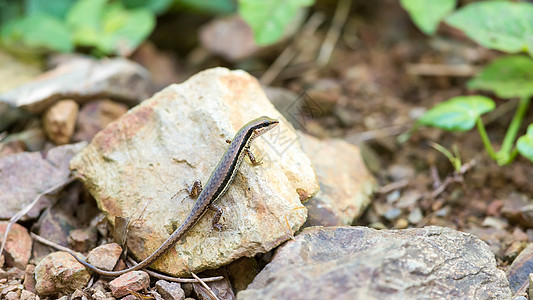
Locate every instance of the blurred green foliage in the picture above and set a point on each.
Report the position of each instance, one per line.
(117, 27)
(508, 27)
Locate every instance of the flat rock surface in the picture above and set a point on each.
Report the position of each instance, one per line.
(82, 79)
(345, 182)
(178, 136)
(363, 263)
(45, 172)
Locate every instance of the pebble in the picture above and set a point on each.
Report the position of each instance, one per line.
(59, 121)
(131, 281)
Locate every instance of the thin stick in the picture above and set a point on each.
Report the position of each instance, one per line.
(46, 242)
(26, 209)
(442, 70)
(209, 291)
(292, 50)
(339, 19)
(176, 279)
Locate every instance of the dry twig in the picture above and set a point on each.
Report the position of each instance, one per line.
(341, 14)
(26, 209)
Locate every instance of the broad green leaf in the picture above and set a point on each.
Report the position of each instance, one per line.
(85, 16)
(123, 30)
(508, 77)
(458, 113)
(524, 145)
(56, 8)
(427, 14)
(502, 25)
(109, 27)
(37, 32)
(156, 6)
(268, 19)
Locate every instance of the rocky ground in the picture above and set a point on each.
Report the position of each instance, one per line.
(339, 208)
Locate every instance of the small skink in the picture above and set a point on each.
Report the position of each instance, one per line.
(215, 187)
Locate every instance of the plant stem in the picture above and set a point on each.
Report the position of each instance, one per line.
(485, 138)
(512, 131)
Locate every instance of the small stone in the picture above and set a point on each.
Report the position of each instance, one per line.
(29, 278)
(130, 297)
(512, 251)
(170, 290)
(12, 296)
(401, 172)
(401, 224)
(519, 234)
(131, 281)
(59, 121)
(493, 222)
(409, 199)
(77, 294)
(105, 256)
(60, 272)
(392, 213)
(415, 216)
(17, 249)
(82, 240)
(94, 116)
(494, 208)
(393, 196)
(27, 295)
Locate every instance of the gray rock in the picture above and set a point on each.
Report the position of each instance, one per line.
(60, 272)
(363, 263)
(45, 172)
(170, 290)
(522, 266)
(82, 79)
(345, 182)
(179, 136)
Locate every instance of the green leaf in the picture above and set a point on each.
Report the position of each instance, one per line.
(508, 77)
(427, 14)
(110, 28)
(124, 30)
(524, 145)
(268, 19)
(56, 8)
(212, 6)
(37, 32)
(458, 113)
(502, 25)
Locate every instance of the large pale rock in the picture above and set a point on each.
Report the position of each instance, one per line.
(24, 175)
(364, 263)
(179, 136)
(345, 182)
(82, 79)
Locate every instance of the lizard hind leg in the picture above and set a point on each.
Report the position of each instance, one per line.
(215, 224)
